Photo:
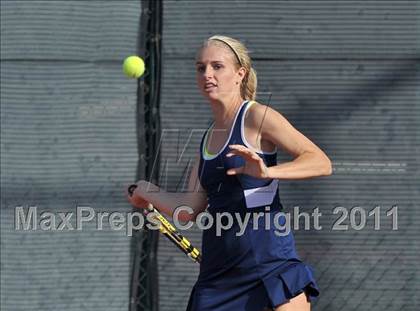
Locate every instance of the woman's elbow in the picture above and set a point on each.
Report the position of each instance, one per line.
(326, 169)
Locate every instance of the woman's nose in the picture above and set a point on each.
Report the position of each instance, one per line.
(208, 72)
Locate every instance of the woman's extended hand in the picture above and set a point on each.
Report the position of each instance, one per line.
(254, 165)
(136, 198)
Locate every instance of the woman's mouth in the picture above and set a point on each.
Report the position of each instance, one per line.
(208, 87)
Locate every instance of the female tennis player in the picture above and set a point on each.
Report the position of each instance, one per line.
(236, 172)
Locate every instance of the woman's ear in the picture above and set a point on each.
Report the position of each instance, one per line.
(242, 72)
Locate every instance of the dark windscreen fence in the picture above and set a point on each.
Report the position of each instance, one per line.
(75, 132)
(346, 74)
(68, 141)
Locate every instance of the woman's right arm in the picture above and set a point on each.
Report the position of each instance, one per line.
(167, 202)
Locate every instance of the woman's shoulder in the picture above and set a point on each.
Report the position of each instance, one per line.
(258, 113)
(255, 126)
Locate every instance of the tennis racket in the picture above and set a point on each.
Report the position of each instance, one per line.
(168, 230)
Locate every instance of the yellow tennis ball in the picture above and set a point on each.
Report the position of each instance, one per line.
(133, 67)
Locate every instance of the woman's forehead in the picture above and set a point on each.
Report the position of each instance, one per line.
(214, 52)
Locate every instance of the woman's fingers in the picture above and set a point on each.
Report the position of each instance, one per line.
(139, 202)
(242, 151)
(254, 164)
(236, 170)
(135, 199)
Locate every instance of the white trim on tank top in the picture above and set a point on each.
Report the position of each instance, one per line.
(247, 144)
(213, 156)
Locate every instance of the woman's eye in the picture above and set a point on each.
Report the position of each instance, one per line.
(200, 69)
(217, 66)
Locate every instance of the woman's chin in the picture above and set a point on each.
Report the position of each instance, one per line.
(211, 95)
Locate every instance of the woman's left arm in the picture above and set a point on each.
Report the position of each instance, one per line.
(309, 160)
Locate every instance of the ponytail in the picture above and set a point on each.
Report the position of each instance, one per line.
(249, 85)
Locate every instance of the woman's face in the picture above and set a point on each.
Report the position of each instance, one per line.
(218, 77)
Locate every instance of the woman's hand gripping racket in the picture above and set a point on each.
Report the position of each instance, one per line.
(170, 232)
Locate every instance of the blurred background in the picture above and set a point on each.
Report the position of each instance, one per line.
(75, 131)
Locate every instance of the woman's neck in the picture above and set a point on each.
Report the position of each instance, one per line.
(225, 111)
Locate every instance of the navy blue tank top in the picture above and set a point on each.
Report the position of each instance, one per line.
(228, 190)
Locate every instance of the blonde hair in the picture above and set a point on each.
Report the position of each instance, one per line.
(249, 82)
